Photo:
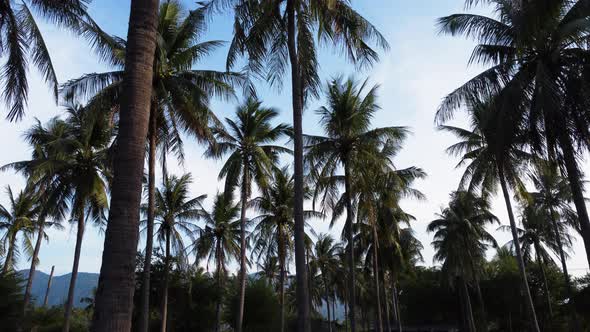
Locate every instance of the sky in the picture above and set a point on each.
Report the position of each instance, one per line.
(418, 70)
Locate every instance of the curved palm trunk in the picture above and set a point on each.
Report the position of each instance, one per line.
(40, 233)
(379, 323)
(303, 298)
(9, 254)
(521, 267)
(46, 299)
(541, 263)
(282, 254)
(220, 269)
(164, 309)
(114, 296)
(144, 315)
(74, 276)
(575, 180)
(350, 249)
(243, 272)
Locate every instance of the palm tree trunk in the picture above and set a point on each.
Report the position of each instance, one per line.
(334, 309)
(219, 287)
(386, 301)
(468, 310)
(568, 284)
(114, 296)
(164, 309)
(309, 283)
(575, 180)
(303, 307)
(243, 272)
(9, 254)
(40, 233)
(541, 263)
(345, 312)
(74, 276)
(327, 294)
(350, 248)
(282, 253)
(46, 299)
(379, 322)
(522, 270)
(144, 315)
(396, 309)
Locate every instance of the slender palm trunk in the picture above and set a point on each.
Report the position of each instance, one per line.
(541, 263)
(468, 310)
(114, 296)
(74, 276)
(282, 264)
(309, 283)
(303, 307)
(144, 315)
(396, 309)
(164, 308)
(575, 180)
(345, 312)
(46, 299)
(350, 248)
(334, 309)
(9, 254)
(327, 295)
(521, 267)
(386, 301)
(379, 322)
(568, 284)
(243, 272)
(36, 251)
(219, 286)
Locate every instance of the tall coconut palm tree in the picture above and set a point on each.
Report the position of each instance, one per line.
(219, 242)
(325, 259)
(277, 34)
(275, 227)
(23, 43)
(493, 152)
(18, 218)
(549, 76)
(175, 213)
(250, 143)
(114, 296)
(461, 241)
(347, 123)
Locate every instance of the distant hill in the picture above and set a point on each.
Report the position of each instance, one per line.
(58, 293)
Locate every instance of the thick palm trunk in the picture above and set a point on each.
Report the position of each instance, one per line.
(575, 180)
(144, 315)
(350, 248)
(521, 267)
(164, 308)
(282, 254)
(74, 276)
(303, 298)
(379, 323)
(46, 299)
(9, 254)
(541, 263)
(243, 272)
(327, 295)
(36, 251)
(575, 325)
(114, 296)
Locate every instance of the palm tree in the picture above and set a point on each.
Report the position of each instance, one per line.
(275, 34)
(23, 43)
(549, 77)
(461, 241)
(252, 154)
(174, 215)
(18, 218)
(219, 241)
(347, 121)
(114, 296)
(493, 152)
(275, 227)
(325, 259)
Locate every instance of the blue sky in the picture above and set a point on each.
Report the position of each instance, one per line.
(414, 75)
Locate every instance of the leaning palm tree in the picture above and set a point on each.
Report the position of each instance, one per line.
(347, 123)
(175, 212)
(461, 241)
(275, 227)
(219, 242)
(114, 296)
(22, 42)
(250, 143)
(494, 152)
(17, 219)
(549, 76)
(276, 34)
